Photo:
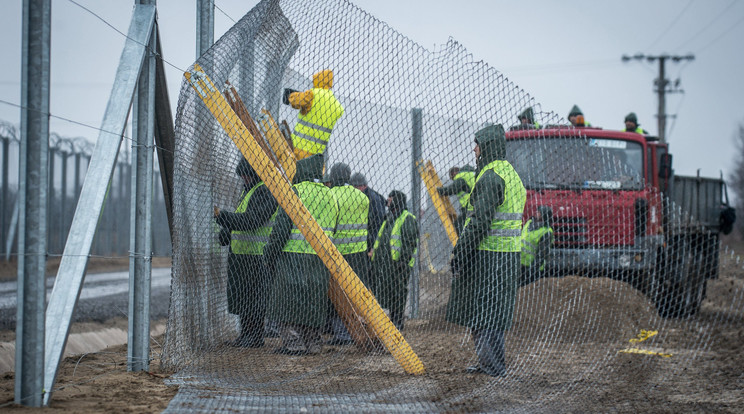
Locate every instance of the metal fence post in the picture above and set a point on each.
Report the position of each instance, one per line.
(204, 26)
(4, 203)
(63, 202)
(140, 225)
(50, 201)
(416, 131)
(32, 243)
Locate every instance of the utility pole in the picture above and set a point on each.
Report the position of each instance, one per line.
(662, 84)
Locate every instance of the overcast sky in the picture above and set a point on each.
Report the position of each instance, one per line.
(562, 53)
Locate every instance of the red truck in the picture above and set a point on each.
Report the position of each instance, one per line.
(620, 211)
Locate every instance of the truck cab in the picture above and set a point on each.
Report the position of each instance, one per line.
(615, 210)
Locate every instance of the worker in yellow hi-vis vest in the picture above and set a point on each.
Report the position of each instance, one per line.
(485, 262)
(350, 237)
(537, 240)
(393, 257)
(247, 232)
(463, 180)
(319, 111)
(299, 294)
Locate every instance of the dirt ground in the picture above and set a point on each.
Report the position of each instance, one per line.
(98, 383)
(9, 269)
(575, 347)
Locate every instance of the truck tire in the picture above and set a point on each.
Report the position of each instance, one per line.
(681, 289)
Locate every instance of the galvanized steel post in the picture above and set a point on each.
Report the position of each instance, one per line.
(4, 202)
(140, 217)
(416, 132)
(32, 242)
(204, 26)
(71, 271)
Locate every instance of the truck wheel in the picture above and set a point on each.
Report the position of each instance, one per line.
(682, 289)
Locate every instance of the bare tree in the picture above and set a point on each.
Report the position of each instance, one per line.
(736, 178)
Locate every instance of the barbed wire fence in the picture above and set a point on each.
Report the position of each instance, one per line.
(613, 329)
(68, 161)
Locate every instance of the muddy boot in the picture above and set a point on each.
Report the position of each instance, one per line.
(311, 339)
(292, 341)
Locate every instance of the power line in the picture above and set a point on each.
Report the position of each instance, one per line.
(72, 121)
(724, 33)
(663, 85)
(223, 12)
(155, 53)
(706, 26)
(673, 22)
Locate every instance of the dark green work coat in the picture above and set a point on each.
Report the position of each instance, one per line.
(484, 292)
(248, 280)
(390, 277)
(300, 289)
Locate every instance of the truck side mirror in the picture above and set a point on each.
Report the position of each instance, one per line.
(665, 166)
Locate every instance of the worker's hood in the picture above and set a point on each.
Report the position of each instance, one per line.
(492, 142)
(467, 168)
(308, 169)
(397, 202)
(340, 174)
(527, 113)
(244, 169)
(575, 111)
(323, 79)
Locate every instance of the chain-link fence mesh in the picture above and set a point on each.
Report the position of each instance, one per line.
(579, 266)
(68, 162)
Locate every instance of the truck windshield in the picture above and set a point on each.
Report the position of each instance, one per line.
(575, 163)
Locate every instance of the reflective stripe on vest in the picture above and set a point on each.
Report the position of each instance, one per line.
(252, 241)
(396, 244)
(313, 130)
(464, 196)
(505, 233)
(320, 202)
(353, 214)
(530, 240)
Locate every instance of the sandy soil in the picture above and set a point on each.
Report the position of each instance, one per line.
(99, 382)
(9, 269)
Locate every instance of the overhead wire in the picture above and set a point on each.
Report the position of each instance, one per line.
(720, 36)
(673, 22)
(154, 52)
(704, 28)
(223, 12)
(83, 124)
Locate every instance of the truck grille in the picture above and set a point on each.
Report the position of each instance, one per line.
(569, 231)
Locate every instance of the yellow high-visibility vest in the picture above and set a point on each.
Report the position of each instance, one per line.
(252, 241)
(464, 196)
(530, 240)
(353, 214)
(505, 233)
(395, 242)
(313, 130)
(321, 203)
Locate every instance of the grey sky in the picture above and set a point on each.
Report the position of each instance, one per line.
(562, 53)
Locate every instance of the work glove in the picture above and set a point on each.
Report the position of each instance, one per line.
(285, 96)
(455, 266)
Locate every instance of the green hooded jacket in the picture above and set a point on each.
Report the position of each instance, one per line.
(300, 286)
(484, 290)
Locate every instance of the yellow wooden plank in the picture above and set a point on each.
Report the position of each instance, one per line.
(451, 212)
(432, 182)
(278, 143)
(340, 270)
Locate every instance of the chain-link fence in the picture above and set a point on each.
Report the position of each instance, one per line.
(68, 163)
(584, 273)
